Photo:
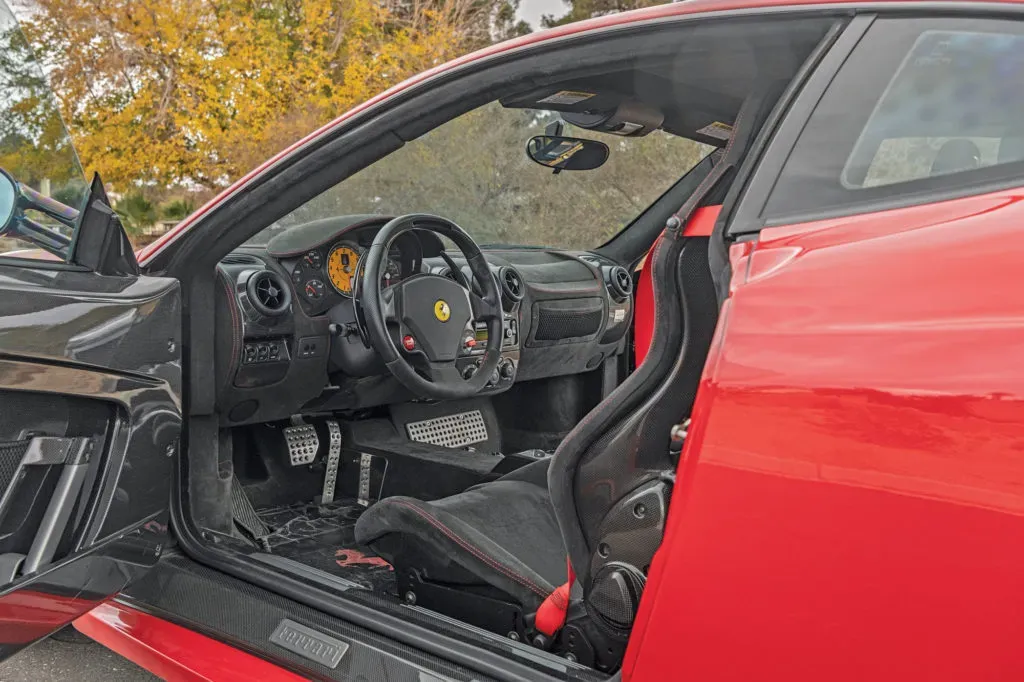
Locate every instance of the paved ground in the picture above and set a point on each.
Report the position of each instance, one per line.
(85, 661)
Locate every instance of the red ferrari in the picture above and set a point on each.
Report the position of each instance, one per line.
(674, 344)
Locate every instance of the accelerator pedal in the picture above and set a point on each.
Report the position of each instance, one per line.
(333, 459)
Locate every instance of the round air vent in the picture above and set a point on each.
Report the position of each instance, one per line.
(512, 285)
(268, 293)
(620, 282)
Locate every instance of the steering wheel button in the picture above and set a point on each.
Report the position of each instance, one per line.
(470, 342)
(408, 342)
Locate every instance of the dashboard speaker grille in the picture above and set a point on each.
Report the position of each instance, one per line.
(562, 320)
(451, 430)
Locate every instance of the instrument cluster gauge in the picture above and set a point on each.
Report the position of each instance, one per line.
(313, 260)
(313, 289)
(342, 262)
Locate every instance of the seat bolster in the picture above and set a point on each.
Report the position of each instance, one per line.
(398, 525)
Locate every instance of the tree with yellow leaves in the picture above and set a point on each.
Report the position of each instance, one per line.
(195, 92)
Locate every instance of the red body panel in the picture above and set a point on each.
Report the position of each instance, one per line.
(850, 499)
(27, 615)
(172, 652)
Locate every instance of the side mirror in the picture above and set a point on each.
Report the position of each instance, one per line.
(45, 230)
(8, 200)
(567, 153)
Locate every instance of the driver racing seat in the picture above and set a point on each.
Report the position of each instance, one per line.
(491, 555)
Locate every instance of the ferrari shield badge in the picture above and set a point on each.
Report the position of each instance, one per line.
(442, 311)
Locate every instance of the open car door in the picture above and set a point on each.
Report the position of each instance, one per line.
(90, 411)
(90, 415)
(90, 374)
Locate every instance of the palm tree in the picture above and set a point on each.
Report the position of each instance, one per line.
(137, 212)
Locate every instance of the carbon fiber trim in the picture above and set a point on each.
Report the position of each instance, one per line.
(11, 455)
(246, 617)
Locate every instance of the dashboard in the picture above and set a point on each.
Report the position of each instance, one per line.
(287, 339)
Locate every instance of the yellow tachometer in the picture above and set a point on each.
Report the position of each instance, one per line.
(341, 267)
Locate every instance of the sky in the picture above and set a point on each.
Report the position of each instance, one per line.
(532, 10)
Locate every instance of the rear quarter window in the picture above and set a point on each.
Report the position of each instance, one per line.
(921, 108)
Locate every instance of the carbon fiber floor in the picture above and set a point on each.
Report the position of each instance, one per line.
(324, 537)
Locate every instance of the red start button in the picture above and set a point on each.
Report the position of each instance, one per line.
(470, 342)
(409, 342)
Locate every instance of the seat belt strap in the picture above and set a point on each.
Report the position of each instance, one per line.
(552, 612)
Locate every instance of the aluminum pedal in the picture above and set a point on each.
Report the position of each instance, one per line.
(333, 458)
(302, 442)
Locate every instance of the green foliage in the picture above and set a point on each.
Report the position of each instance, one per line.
(177, 209)
(136, 212)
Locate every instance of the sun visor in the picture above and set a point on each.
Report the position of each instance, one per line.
(565, 98)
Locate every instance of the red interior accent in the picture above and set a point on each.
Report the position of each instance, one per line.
(702, 222)
(551, 615)
(172, 652)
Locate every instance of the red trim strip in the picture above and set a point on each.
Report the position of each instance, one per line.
(701, 224)
(172, 652)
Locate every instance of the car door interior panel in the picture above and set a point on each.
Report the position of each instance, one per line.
(90, 385)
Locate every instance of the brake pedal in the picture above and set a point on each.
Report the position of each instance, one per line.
(333, 458)
(302, 442)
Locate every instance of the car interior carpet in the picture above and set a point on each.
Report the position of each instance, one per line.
(323, 536)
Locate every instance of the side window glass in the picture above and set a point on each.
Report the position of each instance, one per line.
(36, 152)
(920, 107)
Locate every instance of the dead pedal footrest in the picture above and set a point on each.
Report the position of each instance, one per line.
(450, 430)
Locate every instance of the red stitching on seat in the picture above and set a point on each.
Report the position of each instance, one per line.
(493, 563)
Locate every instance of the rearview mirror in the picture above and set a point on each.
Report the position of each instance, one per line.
(8, 200)
(567, 153)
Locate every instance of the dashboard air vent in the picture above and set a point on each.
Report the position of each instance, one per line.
(268, 292)
(620, 282)
(240, 259)
(511, 284)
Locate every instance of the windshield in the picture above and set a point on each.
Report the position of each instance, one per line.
(474, 170)
(35, 148)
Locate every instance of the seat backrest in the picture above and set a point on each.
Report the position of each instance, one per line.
(955, 156)
(611, 477)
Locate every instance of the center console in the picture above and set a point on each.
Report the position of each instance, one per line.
(476, 344)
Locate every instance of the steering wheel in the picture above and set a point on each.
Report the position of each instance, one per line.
(421, 324)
